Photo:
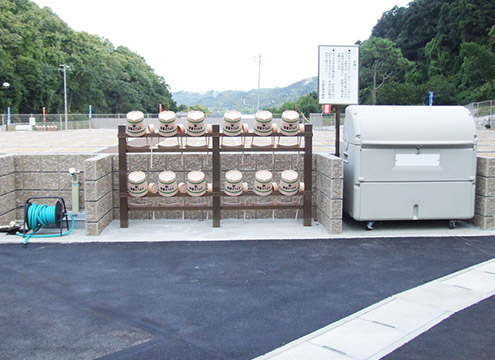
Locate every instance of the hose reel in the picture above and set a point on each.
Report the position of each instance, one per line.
(38, 216)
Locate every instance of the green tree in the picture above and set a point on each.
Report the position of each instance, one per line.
(478, 65)
(288, 105)
(452, 43)
(307, 104)
(402, 93)
(185, 108)
(411, 28)
(35, 42)
(381, 61)
(443, 90)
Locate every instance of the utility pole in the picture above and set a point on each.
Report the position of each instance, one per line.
(259, 73)
(5, 86)
(64, 68)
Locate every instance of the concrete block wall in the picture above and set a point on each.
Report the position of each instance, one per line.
(33, 175)
(46, 175)
(329, 192)
(24, 176)
(98, 193)
(7, 189)
(327, 184)
(248, 164)
(485, 192)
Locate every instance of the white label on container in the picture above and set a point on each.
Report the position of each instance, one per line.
(417, 160)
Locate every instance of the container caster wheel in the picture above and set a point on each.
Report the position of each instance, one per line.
(369, 225)
(452, 224)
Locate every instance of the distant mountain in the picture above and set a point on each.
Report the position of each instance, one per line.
(246, 101)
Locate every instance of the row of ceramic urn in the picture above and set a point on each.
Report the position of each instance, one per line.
(232, 124)
(196, 184)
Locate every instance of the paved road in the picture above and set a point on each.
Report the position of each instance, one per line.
(207, 300)
(469, 334)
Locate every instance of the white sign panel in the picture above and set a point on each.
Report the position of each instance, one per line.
(338, 74)
(417, 160)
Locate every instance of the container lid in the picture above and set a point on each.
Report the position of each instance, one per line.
(409, 125)
(232, 116)
(137, 177)
(233, 176)
(166, 116)
(196, 176)
(195, 116)
(289, 176)
(263, 176)
(167, 177)
(263, 116)
(290, 116)
(135, 116)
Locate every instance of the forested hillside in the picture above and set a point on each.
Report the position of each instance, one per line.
(246, 101)
(34, 42)
(445, 46)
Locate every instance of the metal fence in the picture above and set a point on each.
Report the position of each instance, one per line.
(109, 121)
(483, 113)
(74, 121)
(324, 121)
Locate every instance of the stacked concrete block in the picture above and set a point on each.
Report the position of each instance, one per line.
(98, 193)
(152, 166)
(485, 193)
(7, 190)
(329, 192)
(247, 163)
(115, 186)
(46, 175)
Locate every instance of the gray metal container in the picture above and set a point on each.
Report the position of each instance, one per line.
(409, 162)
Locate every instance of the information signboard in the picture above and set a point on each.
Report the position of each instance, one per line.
(338, 74)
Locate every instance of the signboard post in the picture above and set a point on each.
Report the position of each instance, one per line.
(338, 79)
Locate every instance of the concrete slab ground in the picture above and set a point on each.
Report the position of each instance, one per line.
(235, 230)
(105, 140)
(71, 141)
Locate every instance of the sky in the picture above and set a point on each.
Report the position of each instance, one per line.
(200, 45)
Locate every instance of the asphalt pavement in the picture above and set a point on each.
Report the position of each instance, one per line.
(219, 300)
(468, 334)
